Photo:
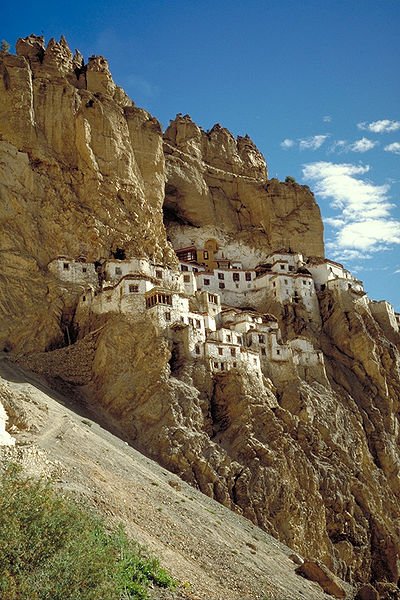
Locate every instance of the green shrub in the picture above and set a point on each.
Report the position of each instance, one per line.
(290, 179)
(52, 549)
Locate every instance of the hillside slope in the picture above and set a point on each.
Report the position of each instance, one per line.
(217, 553)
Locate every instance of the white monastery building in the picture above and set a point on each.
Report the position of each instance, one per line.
(200, 305)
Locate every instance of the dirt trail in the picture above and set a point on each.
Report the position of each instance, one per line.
(216, 554)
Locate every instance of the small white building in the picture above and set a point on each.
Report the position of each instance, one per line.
(114, 270)
(285, 262)
(221, 281)
(328, 274)
(383, 312)
(74, 271)
(225, 356)
(5, 438)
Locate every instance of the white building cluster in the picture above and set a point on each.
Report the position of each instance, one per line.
(199, 305)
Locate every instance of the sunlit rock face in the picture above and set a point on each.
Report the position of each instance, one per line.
(220, 183)
(309, 455)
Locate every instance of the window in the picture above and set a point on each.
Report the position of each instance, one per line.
(291, 268)
(228, 338)
(108, 298)
(186, 278)
(158, 274)
(236, 276)
(221, 285)
(222, 367)
(261, 339)
(213, 298)
(220, 351)
(118, 271)
(65, 266)
(197, 350)
(233, 351)
(190, 321)
(195, 270)
(133, 288)
(304, 282)
(215, 365)
(182, 319)
(83, 298)
(84, 269)
(205, 255)
(239, 339)
(198, 324)
(255, 361)
(282, 267)
(278, 352)
(248, 276)
(206, 281)
(234, 365)
(158, 298)
(221, 276)
(285, 281)
(184, 268)
(263, 351)
(168, 316)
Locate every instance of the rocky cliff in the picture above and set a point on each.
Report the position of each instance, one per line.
(85, 172)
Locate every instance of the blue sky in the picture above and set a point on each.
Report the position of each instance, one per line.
(314, 83)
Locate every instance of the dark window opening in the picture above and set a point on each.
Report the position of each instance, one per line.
(184, 268)
(84, 269)
(221, 285)
(133, 288)
(66, 266)
(236, 276)
(248, 276)
(221, 276)
(167, 316)
(158, 274)
(220, 351)
(118, 271)
(197, 350)
(206, 281)
(119, 254)
(186, 278)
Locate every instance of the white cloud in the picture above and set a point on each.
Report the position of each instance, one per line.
(287, 143)
(394, 147)
(312, 143)
(367, 234)
(382, 126)
(362, 145)
(327, 119)
(364, 222)
(397, 271)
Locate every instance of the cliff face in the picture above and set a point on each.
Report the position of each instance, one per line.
(82, 173)
(219, 183)
(313, 460)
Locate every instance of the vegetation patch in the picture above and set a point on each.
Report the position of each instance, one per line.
(53, 549)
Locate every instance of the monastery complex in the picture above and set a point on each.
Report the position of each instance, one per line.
(210, 309)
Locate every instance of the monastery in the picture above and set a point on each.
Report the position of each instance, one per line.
(202, 308)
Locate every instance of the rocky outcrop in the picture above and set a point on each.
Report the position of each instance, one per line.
(83, 172)
(217, 182)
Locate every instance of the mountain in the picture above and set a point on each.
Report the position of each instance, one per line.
(115, 235)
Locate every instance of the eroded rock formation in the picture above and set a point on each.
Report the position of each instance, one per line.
(83, 172)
